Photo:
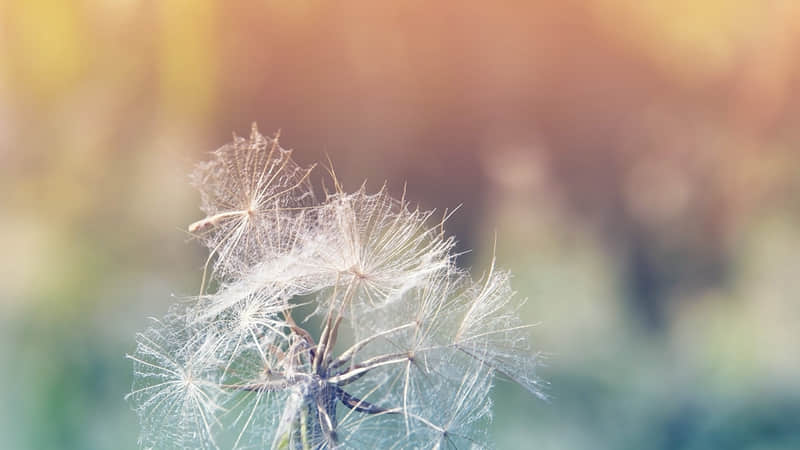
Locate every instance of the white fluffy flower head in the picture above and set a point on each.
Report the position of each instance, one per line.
(398, 347)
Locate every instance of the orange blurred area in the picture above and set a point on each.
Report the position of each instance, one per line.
(638, 162)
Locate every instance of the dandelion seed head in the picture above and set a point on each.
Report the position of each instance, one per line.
(396, 329)
(250, 189)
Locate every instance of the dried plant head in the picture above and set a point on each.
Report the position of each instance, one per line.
(173, 392)
(252, 193)
(398, 348)
(380, 245)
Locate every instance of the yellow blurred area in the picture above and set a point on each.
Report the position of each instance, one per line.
(45, 46)
(696, 41)
(187, 57)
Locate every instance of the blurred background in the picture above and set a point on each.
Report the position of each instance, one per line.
(638, 162)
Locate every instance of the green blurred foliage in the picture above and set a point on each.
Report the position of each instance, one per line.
(637, 162)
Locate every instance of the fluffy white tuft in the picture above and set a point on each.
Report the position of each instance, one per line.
(398, 347)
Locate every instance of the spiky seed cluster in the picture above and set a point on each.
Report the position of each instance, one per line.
(400, 351)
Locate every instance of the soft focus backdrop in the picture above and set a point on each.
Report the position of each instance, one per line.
(639, 163)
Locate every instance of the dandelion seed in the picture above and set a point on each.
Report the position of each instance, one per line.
(250, 191)
(379, 243)
(174, 393)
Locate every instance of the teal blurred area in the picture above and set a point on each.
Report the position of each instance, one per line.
(637, 163)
